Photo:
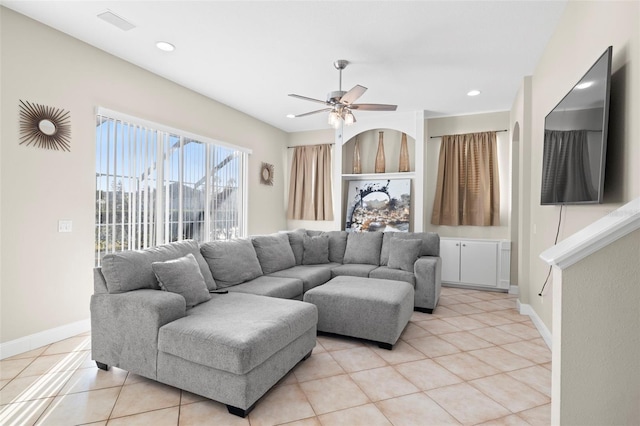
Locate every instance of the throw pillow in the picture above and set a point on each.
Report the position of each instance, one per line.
(131, 270)
(316, 250)
(295, 241)
(182, 276)
(337, 245)
(430, 241)
(403, 253)
(384, 251)
(274, 252)
(231, 261)
(363, 247)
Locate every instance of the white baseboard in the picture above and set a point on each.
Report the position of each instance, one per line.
(514, 289)
(34, 341)
(526, 309)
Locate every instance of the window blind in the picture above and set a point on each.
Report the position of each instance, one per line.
(156, 185)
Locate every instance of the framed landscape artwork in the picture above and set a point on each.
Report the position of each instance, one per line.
(378, 205)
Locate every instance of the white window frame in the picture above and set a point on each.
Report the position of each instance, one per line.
(164, 133)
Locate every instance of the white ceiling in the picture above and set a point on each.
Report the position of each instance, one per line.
(420, 55)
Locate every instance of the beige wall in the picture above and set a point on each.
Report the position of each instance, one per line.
(520, 127)
(584, 32)
(46, 276)
(596, 339)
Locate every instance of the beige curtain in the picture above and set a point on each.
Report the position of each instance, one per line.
(467, 189)
(310, 196)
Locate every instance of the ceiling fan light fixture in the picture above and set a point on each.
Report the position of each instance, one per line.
(339, 103)
(349, 118)
(334, 119)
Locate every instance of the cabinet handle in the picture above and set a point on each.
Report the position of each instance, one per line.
(457, 244)
(464, 245)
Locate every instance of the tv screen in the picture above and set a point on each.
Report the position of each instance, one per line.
(575, 140)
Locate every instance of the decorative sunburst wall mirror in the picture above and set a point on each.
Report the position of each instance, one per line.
(266, 174)
(44, 126)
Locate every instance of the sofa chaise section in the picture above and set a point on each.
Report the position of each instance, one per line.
(231, 347)
(239, 337)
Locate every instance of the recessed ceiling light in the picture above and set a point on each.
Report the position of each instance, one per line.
(291, 116)
(167, 47)
(584, 85)
(473, 93)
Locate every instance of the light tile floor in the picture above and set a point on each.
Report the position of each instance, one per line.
(474, 361)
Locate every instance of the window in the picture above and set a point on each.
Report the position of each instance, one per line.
(468, 186)
(156, 185)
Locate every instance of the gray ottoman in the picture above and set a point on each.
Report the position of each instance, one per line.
(367, 308)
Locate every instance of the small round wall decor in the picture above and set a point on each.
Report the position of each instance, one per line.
(44, 126)
(266, 174)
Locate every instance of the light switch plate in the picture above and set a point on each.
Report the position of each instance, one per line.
(65, 226)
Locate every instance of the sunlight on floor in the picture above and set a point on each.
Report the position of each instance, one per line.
(28, 402)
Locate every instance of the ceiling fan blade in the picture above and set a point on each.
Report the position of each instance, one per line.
(374, 107)
(304, 98)
(313, 112)
(353, 94)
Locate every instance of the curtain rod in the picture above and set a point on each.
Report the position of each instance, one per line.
(317, 144)
(497, 131)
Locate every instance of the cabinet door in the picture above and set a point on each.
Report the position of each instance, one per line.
(450, 254)
(479, 263)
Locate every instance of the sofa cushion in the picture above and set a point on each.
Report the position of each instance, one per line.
(384, 250)
(337, 245)
(284, 288)
(274, 252)
(231, 261)
(353, 270)
(131, 270)
(403, 253)
(296, 242)
(236, 332)
(311, 275)
(363, 247)
(316, 250)
(430, 243)
(385, 273)
(182, 276)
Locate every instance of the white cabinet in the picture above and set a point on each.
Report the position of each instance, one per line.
(478, 263)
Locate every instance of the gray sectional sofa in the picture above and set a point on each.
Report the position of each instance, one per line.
(283, 267)
(212, 331)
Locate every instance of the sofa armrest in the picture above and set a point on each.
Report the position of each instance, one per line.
(428, 272)
(124, 327)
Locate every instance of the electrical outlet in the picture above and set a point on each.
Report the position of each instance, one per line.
(65, 226)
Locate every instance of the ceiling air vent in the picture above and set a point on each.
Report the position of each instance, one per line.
(116, 20)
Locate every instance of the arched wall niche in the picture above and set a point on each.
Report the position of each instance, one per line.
(412, 123)
(516, 133)
(514, 214)
(401, 122)
(368, 143)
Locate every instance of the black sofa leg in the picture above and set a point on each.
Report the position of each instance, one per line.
(102, 366)
(387, 346)
(306, 357)
(425, 310)
(239, 411)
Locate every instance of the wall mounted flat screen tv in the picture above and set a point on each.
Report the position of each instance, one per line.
(575, 140)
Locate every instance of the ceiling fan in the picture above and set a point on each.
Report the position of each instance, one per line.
(340, 104)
